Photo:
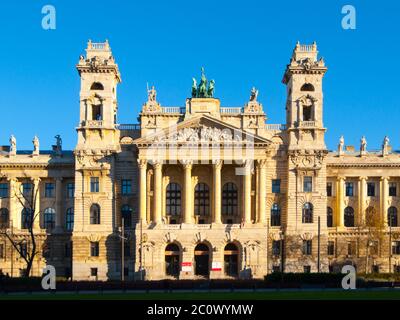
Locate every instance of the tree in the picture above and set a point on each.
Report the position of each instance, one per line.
(375, 228)
(26, 247)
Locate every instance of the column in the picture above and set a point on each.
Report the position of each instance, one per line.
(13, 214)
(142, 190)
(340, 202)
(36, 200)
(59, 204)
(217, 165)
(187, 192)
(361, 199)
(157, 191)
(262, 192)
(383, 194)
(247, 192)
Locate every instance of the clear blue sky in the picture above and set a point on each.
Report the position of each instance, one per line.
(240, 43)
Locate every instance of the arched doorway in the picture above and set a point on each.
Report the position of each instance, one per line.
(202, 260)
(172, 255)
(231, 260)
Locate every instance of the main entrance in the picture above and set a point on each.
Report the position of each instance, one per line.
(172, 254)
(202, 260)
(231, 259)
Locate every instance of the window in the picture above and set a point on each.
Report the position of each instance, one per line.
(69, 219)
(392, 189)
(396, 268)
(126, 186)
(352, 248)
(49, 218)
(94, 214)
(173, 199)
(329, 217)
(276, 269)
(96, 112)
(307, 216)
(349, 217)
(276, 186)
(375, 268)
(96, 86)
(93, 272)
(396, 247)
(307, 184)
(276, 247)
(307, 87)
(229, 199)
(371, 189)
(4, 218)
(349, 189)
(3, 190)
(331, 248)
(307, 247)
(23, 249)
(202, 200)
(329, 189)
(126, 213)
(70, 190)
(307, 113)
(392, 216)
(26, 218)
(2, 255)
(94, 249)
(94, 184)
(49, 190)
(307, 269)
(27, 189)
(275, 215)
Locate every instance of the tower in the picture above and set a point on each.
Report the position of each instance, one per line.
(94, 239)
(306, 159)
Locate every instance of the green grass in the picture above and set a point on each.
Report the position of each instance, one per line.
(274, 295)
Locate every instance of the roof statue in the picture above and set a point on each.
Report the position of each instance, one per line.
(202, 91)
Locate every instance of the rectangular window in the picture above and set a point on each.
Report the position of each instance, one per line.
(2, 254)
(375, 268)
(331, 248)
(126, 187)
(392, 189)
(27, 189)
(94, 249)
(23, 249)
(49, 190)
(349, 189)
(276, 269)
(396, 268)
(307, 247)
(307, 269)
(396, 247)
(329, 189)
(307, 184)
(276, 248)
(94, 184)
(352, 248)
(3, 190)
(371, 189)
(70, 189)
(93, 272)
(276, 186)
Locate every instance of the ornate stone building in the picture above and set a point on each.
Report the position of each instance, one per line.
(201, 190)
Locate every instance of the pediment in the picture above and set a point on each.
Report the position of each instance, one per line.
(202, 129)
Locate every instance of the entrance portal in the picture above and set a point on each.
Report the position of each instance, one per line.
(172, 254)
(202, 260)
(231, 259)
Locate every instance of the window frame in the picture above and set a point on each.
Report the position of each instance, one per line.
(202, 200)
(349, 189)
(275, 215)
(69, 219)
(94, 249)
(371, 189)
(173, 199)
(276, 186)
(49, 189)
(126, 187)
(230, 199)
(307, 184)
(94, 184)
(307, 247)
(4, 190)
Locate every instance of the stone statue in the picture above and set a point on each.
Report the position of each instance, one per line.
(194, 88)
(363, 147)
(151, 94)
(210, 91)
(201, 91)
(58, 144)
(341, 145)
(35, 142)
(13, 145)
(253, 94)
(385, 146)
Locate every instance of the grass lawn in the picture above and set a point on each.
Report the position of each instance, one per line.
(272, 295)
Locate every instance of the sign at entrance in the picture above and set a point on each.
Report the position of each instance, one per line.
(216, 266)
(186, 266)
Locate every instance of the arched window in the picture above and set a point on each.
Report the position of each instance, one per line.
(275, 215)
(69, 219)
(26, 218)
(173, 199)
(126, 213)
(94, 214)
(307, 113)
(97, 86)
(49, 220)
(97, 112)
(307, 213)
(329, 217)
(229, 199)
(201, 200)
(392, 216)
(349, 217)
(4, 218)
(172, 257)
(231, 260)
(307, 87)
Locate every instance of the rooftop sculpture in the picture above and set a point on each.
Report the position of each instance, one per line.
(202, 91)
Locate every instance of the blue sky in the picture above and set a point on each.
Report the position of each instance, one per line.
(240, 44)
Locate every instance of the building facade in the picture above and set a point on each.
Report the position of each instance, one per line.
(201, 190)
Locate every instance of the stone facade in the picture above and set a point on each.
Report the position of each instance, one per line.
(202, 190)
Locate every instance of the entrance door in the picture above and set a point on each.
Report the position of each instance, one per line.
(231, 259)
(202, 260)
(172, 255)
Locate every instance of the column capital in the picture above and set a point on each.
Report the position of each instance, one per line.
(58, 179)
(217, 163)
(187, 164)
(362, 178)
(157, 164)
(340, 178)
(35, 180)
(262, 163)
(385, 178)
(142, 163)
